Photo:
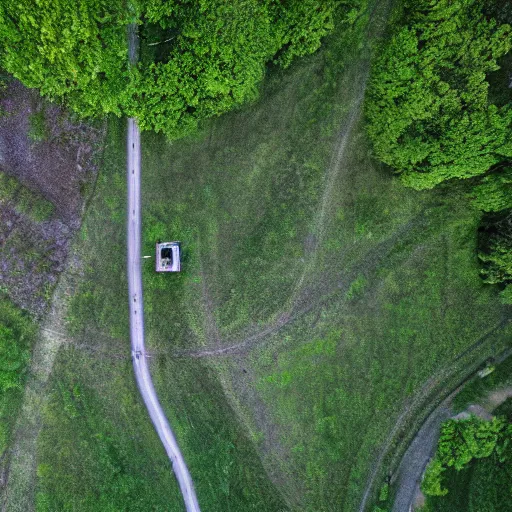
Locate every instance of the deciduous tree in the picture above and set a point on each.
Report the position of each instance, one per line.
(428, 111)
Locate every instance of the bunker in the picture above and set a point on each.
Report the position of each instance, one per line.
(168, 256)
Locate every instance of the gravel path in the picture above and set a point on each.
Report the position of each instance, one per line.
(423, 446)
(140, 364)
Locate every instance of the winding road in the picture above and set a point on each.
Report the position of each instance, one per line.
(140, 364)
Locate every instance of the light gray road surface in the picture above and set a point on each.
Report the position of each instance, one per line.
(140, 364)
(416, 458)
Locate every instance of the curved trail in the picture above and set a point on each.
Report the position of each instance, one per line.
(423, 446)
(425, 393)
(140, 364)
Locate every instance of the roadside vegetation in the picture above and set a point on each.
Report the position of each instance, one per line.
(472, 468)
(95, 402)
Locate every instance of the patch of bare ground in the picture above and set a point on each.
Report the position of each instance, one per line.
(59, 164)
(497, 397)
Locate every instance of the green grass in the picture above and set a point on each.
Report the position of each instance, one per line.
(96, 450)
(24, 200)
(391, 298)
(17, 333)
(94, 402)
(344, 305)
(37, 126)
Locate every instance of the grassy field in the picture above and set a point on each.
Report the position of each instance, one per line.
(317, 299)
(96, 440)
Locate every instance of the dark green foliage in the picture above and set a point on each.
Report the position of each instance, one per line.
(16, 334)
(428, 111)
(462, 441)
(215, 64)
(496, 250)
(480, 484)
(218, 55)
(481, 451)
(13, 359)
(68, 49)
(432, 481)
(301, 24)
(494, 192)
(217, 51)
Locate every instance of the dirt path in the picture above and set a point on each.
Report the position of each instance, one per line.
(304, 298)
(423, 446)
(418, 403)
(318, 297)
(293, 311)
(136, 306)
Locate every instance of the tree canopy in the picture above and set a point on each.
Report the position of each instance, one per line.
(76, 51)
(219, 54)
(493, 193)
(460, 442)
(70, 49)
(496, 251)
(428, 110)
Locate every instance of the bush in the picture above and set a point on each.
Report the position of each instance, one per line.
(496, 250)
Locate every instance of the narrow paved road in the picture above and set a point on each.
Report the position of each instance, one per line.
(416, 458)
(140, 364)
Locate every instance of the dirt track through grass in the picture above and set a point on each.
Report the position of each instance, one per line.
(295, 309)
(423, 445)
(315, 298)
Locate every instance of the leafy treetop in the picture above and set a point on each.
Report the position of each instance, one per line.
(76, 51)
(428, 111)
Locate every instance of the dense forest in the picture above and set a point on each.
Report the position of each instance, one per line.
(211, 59)
(439, 110)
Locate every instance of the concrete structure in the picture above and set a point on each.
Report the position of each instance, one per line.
(168, 255)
